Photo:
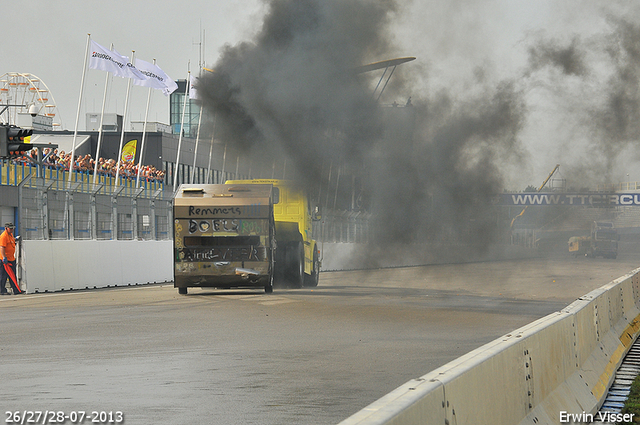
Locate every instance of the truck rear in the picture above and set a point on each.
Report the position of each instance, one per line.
(604, 240)
(224, 236)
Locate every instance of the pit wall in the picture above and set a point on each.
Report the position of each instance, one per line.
(563, 362)
(47, 266)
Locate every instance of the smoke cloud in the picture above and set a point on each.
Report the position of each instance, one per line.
(426, 169)
(293, 92)
(616, 122)
(427, 165)
(569, 59)
(597, 95)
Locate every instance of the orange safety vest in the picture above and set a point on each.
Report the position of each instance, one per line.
(9, 244)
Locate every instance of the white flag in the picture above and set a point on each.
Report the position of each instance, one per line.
(131, 71)
(135, 73)
(107, 60)
(193, 93)
(156, 78)
(112, 61)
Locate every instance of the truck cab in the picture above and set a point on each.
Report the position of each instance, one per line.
(298, 257)
(601, 242)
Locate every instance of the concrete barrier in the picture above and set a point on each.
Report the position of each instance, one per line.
(48, 266)
(563, 362)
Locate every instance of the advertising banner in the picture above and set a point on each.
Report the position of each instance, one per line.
(569, 199)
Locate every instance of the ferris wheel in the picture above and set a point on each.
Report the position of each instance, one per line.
(29, 95)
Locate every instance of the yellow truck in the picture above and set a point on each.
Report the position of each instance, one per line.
(224, 236)
(579, 245)
(602, 242)
(298, 257)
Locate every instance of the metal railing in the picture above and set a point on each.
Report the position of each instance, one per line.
(615, 187)
(54, 214)
(343, 226)
(13, 174)
(51, 208)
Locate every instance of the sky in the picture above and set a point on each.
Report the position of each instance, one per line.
(465, 48)
(53, 43)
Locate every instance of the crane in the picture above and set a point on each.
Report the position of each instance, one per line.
(539, 189)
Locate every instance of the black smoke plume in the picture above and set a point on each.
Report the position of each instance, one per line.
(616, 122)
(293, 91)
(426, 168)
(598, 93)
(570, 59)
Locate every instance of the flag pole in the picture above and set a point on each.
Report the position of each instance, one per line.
(184, 107)
(195, 151)
(104, 101)
(124, 121)
(213, 135)
(237, 166)
(75, 132)
(144, 134)
(224, 159)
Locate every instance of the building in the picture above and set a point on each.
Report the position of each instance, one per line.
(110, 122)
(191, 115)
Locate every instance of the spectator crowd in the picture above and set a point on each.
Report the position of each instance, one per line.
(86, 164)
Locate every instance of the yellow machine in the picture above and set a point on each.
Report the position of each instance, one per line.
(297, 254)
(602, 242)
(579, 245)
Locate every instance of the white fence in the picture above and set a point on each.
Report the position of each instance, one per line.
(59, 265)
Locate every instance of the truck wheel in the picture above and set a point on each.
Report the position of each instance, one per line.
(268, 288)
(182, 291)
(279, 267)
(312, 279)
(295, 264)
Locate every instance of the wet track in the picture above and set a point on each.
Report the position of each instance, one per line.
(307, 356)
